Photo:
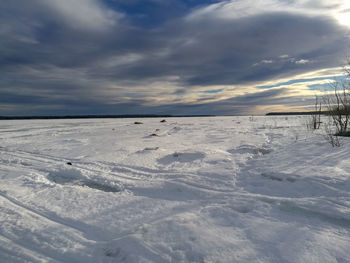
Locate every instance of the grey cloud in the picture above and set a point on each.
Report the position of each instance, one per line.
(200, 52)
(220, 52)
(223, 52)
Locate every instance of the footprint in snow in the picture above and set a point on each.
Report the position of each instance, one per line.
(174, 130)
(251, 149)
(185, 157)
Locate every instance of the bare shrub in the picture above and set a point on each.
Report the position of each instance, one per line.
(330, 136)
(314, 122)
(338, 106)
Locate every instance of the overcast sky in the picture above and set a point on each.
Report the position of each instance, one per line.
(168, 56)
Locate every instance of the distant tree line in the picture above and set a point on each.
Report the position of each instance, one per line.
(97, 116)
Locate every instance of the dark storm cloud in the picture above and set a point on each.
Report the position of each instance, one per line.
(210, 54)
(223, 52)
(51, 54)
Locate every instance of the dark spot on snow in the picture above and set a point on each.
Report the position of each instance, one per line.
(264, 151)
(271, 177)
(101, 187)
(138, 122)
(112, 252)
(151, 148)
(290, 179)
(154, 134)
(68, 163)
(163, 121)
(280, 177)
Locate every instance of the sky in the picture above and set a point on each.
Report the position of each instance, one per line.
(179, 57)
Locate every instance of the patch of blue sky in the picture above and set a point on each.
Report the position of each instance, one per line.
(291, 82)
(320, 87)
(212, 91)
(327, 86)
(147, 13)
(131, 94)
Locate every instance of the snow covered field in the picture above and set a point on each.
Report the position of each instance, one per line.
(223, 189)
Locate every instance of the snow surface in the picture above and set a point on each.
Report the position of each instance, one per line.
(223, 189)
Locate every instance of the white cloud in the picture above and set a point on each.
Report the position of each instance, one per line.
(264, 61)
(284, 56)
(234, 9)
(82, 14)
(302, 61)
(122, 60)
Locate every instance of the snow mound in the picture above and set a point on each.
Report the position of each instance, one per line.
(75, 177)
